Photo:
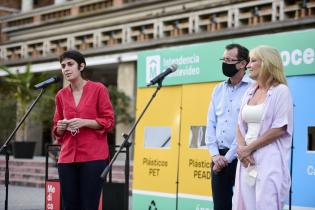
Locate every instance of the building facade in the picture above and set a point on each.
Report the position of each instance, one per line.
(111, 32)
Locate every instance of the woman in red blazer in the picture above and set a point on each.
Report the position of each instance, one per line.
(83, 116)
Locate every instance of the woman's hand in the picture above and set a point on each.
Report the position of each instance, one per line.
(62, 126)
(243, 152)
(249, 160)
(75, 124)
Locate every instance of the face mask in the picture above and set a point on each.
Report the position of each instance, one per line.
(229, 70)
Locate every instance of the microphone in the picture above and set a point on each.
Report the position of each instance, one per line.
(161, 76)
(46, 83)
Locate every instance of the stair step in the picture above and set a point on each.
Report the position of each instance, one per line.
(26, 183)
(31, 172)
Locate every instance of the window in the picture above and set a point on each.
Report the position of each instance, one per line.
(311, 139)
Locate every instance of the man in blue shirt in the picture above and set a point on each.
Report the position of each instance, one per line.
(222, 121)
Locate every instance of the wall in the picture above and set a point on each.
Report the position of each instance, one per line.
(176, 176)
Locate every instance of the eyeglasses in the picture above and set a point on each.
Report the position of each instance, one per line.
(226, 60)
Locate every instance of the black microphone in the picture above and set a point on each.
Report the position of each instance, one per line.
(46, 83)
(161, 76)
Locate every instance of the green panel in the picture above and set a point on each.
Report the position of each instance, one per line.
(194, 204)
(296, 49)
(192, 61)
(153, 202)
(200, 62)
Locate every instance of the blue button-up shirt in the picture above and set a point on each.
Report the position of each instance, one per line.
(222, 117)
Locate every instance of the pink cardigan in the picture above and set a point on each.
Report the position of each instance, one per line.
(272, 161)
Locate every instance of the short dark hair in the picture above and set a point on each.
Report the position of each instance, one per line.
(73, 54)
(242, 52)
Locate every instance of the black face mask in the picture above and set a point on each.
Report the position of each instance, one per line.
(229, 70)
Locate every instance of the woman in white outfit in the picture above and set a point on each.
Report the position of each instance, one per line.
(264, 135)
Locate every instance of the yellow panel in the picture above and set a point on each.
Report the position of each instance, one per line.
(194, 172)
(155, 169)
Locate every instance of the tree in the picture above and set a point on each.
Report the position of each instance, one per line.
(7, 113)
(19, 88)
(121, 105)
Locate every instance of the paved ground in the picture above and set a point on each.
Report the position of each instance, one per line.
(23, 198)
(26, 198)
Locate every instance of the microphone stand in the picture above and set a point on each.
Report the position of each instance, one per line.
(5, 147)
(291, 173)
(127, 136)
(291, 165)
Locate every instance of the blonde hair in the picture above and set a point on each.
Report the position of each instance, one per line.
(272, 71)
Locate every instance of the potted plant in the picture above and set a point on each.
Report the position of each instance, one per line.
(7, 114)
(20, 88)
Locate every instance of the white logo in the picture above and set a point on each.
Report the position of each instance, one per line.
(153, 67)
(310, 170)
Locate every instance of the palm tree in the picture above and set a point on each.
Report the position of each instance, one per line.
(19, 87)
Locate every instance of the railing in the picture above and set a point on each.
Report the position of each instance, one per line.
(115, 193)
(244, 14)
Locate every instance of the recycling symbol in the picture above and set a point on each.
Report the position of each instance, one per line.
(152, 206)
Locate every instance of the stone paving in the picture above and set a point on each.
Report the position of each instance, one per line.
(23, 198)
(26, 198)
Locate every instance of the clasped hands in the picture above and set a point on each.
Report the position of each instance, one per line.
(244, 154)
(219, 163)
(71, 125)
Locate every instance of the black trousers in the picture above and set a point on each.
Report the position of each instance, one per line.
(222, 186)
(81, 184)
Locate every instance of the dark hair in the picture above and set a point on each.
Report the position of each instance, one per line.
(73, 54)
(242, 52)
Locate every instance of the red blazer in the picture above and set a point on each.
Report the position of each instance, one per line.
(89, 144)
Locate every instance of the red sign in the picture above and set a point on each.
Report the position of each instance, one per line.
(100, 206)
(52, 195)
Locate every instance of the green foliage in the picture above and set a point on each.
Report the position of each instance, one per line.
(7, 114)
(19, 84)
(121, 104)
(18, 89)
(16, 95)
